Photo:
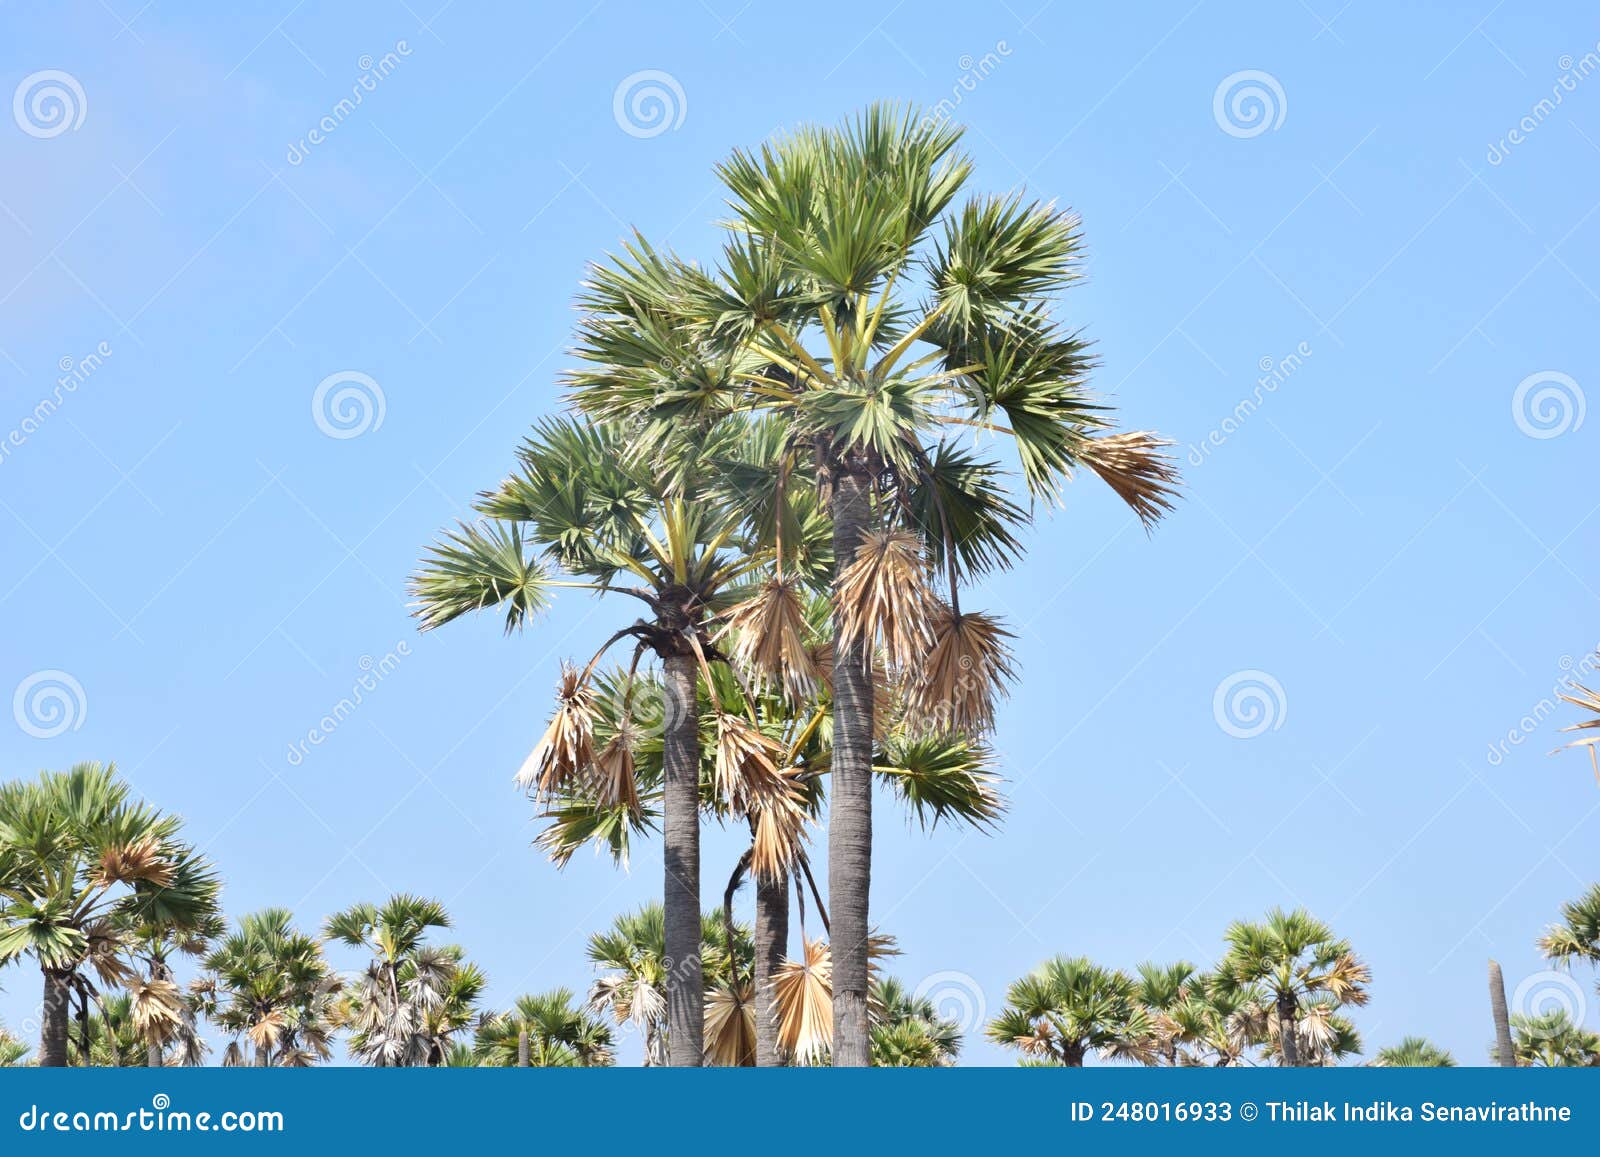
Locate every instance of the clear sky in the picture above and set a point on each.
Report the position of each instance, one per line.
(1379, 531)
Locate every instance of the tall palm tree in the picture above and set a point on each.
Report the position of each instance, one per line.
(269, 987)
(1415, 1052)
(873, 315)
(1552, 1041)
(81, 864)
(1070, 1006)
(581, 512)
(1505, 1049)
(1299, 962)
(553, 1029)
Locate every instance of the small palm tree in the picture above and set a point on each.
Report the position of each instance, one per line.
(875, 318)
(633, 988)
(1552, 1040)
(907, 1030)
(555, 1032)
(1303, 968)
(1216, 1023)
(165, 1016)
(82, 865)
(413, 996)
(1162, 989)
(1071, 1006)
(1415, 1052)
(268, 986)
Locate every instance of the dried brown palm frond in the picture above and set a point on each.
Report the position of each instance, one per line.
(753, 783)
(967, 669)
(1590, 701)
(612, 777)
(567, 748)
(1133, 465)
(1346, 981)
(157, 1008)
(779, 835)
(883, 596)
(730, 1024)
(768, 632)
(142, 861)
(802, 993)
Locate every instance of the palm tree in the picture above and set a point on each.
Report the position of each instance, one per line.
(1070, 1006)
(1322, 1036)
(413, 996)
(1216, 1023)
(1577, 937)
(907, 1030)
(12, 1049)
(268, 986)
(82, 864)
(165, 1016)
(1162, 989)
(812, 317)
(554, 1030)
(1415, 1052)
(1300, 964)
(1504, 1049)
(108, 1037)
(1552, 1041)
(581, 506)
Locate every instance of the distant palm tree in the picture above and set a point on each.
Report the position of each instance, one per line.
(875, 317)
(1304, 969)
(1505, 1051)
(12, 1049)
(413, 996)
(1069, 1007)
(907, 1030)
(1577, 937)
(108, 1037)
(165, 1016)
(553, 1029)
(1162, 988)
(268, 986)
(1323, 1036)
(1552, 1041)
(1216, 1023)
(1414, 1052)
(82, 864)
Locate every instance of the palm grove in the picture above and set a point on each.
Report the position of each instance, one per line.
(770, 476)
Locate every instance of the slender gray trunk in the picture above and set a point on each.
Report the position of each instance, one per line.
(524, 1056)
(681, 843)
(1288, 1007)
(850, 796)
(153, 1058)
(771, 942)
(1505, 1052)
(54, 1019)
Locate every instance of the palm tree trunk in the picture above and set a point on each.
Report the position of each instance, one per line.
(54, 1021)
(1505, 1052)
(771, 941)
(1288, 1006)
(681, 843)
(850, 795)
(524, 1056)
(153, 1058)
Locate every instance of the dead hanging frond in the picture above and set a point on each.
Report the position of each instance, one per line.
(612, 781)
(883, 596)
(768, 639)
(141, 861)
(754, 784)
(1590, 701)
(967, 669)
(566, 750)
(730, 1024)
(1134, 466)
(802, 995)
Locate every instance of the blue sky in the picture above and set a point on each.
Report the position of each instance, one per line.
(1398, 533)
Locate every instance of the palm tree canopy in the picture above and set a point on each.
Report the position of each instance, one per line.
(1553, 1040)
(1577, 937)
(1415, 1052)
(1294, 955)
(1069, 1006)
(560, 1034)
(268, 985)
